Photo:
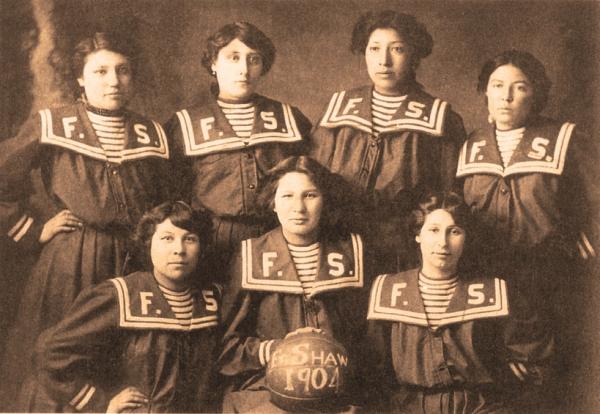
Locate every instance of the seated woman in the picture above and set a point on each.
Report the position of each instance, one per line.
(390, 139)
(222, 149)
(308, 272)
(144, 342)
(448, 340)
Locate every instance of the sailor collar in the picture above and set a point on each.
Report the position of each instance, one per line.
(419, 112)
(205, 129)
(267, 265)
(70, 128)
(142, 305)
(541, 150)
(396, 298)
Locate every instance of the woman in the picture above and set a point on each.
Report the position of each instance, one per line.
(222, 149)
(526, 177)
(530, 183)
(100, 164)
(445, 340)
(320, 280)
(390, 139)
(144, 342)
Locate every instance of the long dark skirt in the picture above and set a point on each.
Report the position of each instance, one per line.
(67, 264)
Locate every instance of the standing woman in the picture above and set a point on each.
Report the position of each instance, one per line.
(391, 139)
(100, 164)
(530, 182)
(222, 149)
(307, 273)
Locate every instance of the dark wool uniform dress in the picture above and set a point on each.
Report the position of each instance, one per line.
(538, 217)
(216, 170)
(123, 333)
(108, 197)
(265, 301)
(464, 364)
(416, 151)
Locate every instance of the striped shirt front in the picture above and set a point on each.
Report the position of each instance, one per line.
(181, 303)
(240, 116)
(436, 295)
(110, 131)
(306, 260)
(508, 142)
(383, 109)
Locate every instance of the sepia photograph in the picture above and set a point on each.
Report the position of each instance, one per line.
(300, 206)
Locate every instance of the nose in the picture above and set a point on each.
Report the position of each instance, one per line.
(299, 205)
(243, 66)
(179, 247)
(443, 239)
(385, 58)
(112, 78)
(507, 94)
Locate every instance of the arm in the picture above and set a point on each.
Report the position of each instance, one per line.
(583, 194)
(242, 350)
(528, 342)
(454, 138)
(305, 127)
(179, 179)
(18, 157)
(73, 354)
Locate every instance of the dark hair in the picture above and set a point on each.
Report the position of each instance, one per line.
(458, 209)
(181, 215)
(247, 33)
(69, 70)
(529, 65)
(447, 201)
(333, 223)
(413, 32)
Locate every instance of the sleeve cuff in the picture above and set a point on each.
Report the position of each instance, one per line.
(25, 232)
(89, 399)
(20, 228)
(264, 351)
(584, 247)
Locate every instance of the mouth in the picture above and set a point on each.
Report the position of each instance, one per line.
(298, 220)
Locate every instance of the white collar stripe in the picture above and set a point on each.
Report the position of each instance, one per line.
(48, 137)
(127, 320)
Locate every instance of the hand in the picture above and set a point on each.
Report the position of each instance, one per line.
(63, 222)
(129, 398)
(306, 329)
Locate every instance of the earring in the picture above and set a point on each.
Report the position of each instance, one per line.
(490, 119)
(213, 73)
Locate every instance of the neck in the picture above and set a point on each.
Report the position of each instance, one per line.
(437, 274)
(105, 112)
(300, 239)
(236, 100)
(179, 285)
(399, 90)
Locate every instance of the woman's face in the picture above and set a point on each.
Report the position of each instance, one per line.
(238, 69)
(509, 97)
(174, 252)
(298, 204)
(389, 61)
(107, 79)
(442, 242)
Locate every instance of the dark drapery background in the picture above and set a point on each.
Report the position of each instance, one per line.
(313, 60)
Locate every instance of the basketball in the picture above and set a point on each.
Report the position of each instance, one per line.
(307, 370)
